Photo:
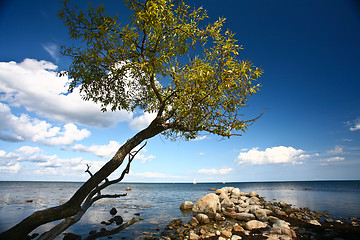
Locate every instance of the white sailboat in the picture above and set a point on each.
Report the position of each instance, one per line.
(194, 181)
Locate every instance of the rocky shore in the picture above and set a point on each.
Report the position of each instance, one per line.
(231, 214)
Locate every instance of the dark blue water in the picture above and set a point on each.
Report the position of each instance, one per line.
(158, 203)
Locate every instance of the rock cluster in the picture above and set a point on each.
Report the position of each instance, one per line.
(231, 214)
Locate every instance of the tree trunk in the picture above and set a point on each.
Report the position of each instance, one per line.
(73, 205)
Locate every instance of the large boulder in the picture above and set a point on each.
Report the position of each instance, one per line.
(208, 204)
(202, 218)
(261, 215)
(235, 193)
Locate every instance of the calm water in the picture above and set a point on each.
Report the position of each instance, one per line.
(158, 203)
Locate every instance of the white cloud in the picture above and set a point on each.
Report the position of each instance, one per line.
(36, 86)
(337, 150)
(27, 150)
(334, 159)
(272, 155)
(10, 168)
(103, 151)
(142, 121)
(35, 130)
(53, 50)
(199, 138)
(215, 171)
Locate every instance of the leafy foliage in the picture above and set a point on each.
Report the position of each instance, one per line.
(166, 60)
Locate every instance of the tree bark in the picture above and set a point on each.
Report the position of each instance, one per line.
(73, 205)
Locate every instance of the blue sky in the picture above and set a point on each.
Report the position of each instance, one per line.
(309, 51)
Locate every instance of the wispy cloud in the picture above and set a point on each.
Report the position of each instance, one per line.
(354, 125)
(53, 50)
(215, 171)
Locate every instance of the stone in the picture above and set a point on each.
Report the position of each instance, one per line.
(226, 203)
(193, 222)
(254, 201)
(218, 217)
(174, 224)
(314, 222)
(218, 191)
(279, 212)
(254, 224)
(281, 224)
(168, 234)
(253, 194)
(283, 231)
(237, 229)
(113, 211)
(260, 214)
(232, 214)
(235, 193)
(226, 234)
(118, 220)
(239, 209)
(207, 204)
(187, 205)
(193, 236)
(235, 237)
(245, 217)
(202, 218)
(252, 208)
(227, 190)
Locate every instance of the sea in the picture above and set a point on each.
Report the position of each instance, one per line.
(158, 203)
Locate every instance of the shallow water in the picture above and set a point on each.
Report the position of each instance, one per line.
(158, 203)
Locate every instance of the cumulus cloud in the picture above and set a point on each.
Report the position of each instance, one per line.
(10, 168)
(142, 121)
(215, 171)
(27, 150)
(36, 86)
(354, 126)
(274, 155)
(13, 128)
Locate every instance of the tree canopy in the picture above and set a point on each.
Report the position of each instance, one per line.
(167, 60)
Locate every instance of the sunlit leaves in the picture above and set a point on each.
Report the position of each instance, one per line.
(165, 60)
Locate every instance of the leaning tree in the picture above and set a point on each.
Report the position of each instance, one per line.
(168, 60)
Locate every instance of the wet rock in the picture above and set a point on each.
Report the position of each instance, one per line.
(193, 222)
(193, 236)
(245, 217)
(113, 211)
(187, 205)
(314, 222)
(118, 220)
(254, 224)
(167, 234)
(174, 224)
(283, 231)
(202, 218)
(71, 236)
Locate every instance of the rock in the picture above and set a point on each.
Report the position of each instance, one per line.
(283, 231)
(314, 222)
(253, 194)
(193, 222)
(231, 214)
(168, 235)
(272, 219)
(71, 236)
(235, 237)
(235, 193)
(279, 212)
(227, 190)
(118, 220)
(174, 224)
(260, 214)
(186, 205)
(245, 217)
(222, 238)
(226, 234)
(193, 236)
(34, 235)
(254, 201)
(239, 209)
(113, 211)
(252, 208)
(218, 191)
(218, 217)
(281, 224)
(202, 218)
(237, 230)
(207, 204)
(254, 224)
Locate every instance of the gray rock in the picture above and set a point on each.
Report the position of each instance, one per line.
(261, 215)
(202, 218)
(281, 224)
